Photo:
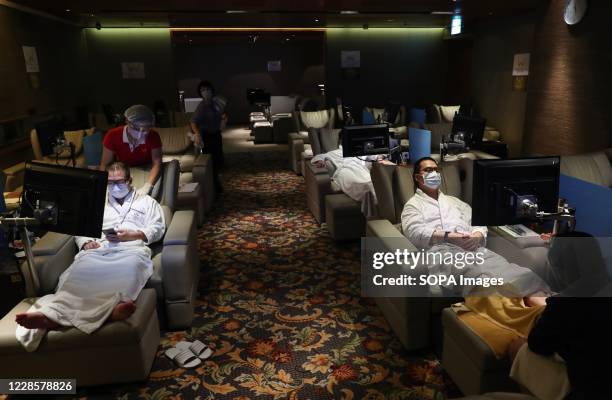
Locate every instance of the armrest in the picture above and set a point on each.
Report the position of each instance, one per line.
(51, 243)
(14, 177)
(390, 236)
(179, 230)
(481, 155)
(179, 259)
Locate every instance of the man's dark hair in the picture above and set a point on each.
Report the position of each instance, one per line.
(205, 84)
(120, 166)
(417, 169)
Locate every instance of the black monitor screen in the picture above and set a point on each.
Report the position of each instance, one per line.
(258, 97)
(365, 140)
(498, 183)
(48, 132)
(67, 200)
(469, 130)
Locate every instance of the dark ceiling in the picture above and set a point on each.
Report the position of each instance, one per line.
(275, 13)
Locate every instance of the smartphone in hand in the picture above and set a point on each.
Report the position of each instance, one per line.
(109, 231)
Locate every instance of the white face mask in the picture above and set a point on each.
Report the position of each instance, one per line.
(119, 190)
(432, 180)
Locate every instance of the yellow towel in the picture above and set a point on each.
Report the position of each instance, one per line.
(499, 320)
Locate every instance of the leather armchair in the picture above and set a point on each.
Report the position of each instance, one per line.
(592, 167)
(299, 143)
(194, 167)
(175, 259)
(74, 137)
(130, 345)
(318, 185)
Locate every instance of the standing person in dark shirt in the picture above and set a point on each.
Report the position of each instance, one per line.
(577, 323)
(206, 124)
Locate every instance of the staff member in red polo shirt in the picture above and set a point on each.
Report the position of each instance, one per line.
(135, 144)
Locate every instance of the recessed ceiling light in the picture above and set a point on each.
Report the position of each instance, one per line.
(349, 12)
(236, 11)
(442, 13)
(316, 19)
(390, 20)
(67, 10)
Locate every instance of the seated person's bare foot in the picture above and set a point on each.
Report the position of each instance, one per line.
(35, 320)
(536, 299)
(123, 311)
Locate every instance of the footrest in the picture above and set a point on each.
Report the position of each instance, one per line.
(343, 216)
(128, 346)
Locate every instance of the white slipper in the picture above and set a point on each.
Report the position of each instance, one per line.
(184, 358)
(198, 348)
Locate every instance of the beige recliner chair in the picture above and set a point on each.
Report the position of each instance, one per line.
(470, 362)
(592, 167)
(128, 346)
(74, 137)
(194, 167)
(299, 143)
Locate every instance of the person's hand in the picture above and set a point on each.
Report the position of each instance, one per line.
(319, 163)
(145, 189)
(126, 235)
(92, 244)
(458, 239)
(474, 241)
(514, 347)
(197, 140)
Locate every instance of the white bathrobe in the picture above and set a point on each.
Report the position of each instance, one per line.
(352, 177)
(98, 279)
(422, 215)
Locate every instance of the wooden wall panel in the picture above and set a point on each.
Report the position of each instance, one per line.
(569, 107)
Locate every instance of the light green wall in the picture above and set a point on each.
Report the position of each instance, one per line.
(109, 47)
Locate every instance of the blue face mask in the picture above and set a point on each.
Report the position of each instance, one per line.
(118, 190)
(432, 180)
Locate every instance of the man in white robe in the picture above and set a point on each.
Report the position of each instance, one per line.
(108, 273)
(440, 223)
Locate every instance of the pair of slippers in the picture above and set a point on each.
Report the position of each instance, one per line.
(189, 354)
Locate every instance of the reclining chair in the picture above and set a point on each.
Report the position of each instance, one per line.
(416, 321)
(74, 137)
(317, 179)
(194, 167)
(129, 346)
(299, 142)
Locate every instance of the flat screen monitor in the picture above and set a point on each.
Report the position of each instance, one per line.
(468, 130)
(65, 199)
(365, 140)
(258, 97)
(499, 185)
(49, 131)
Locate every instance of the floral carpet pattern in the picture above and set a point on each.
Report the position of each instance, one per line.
(280, 302)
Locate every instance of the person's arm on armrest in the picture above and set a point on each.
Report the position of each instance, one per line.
(415, 229)
(155, 225)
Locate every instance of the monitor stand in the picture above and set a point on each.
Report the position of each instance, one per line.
(32, 282)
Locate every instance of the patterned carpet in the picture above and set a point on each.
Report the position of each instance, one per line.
(280, 302)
